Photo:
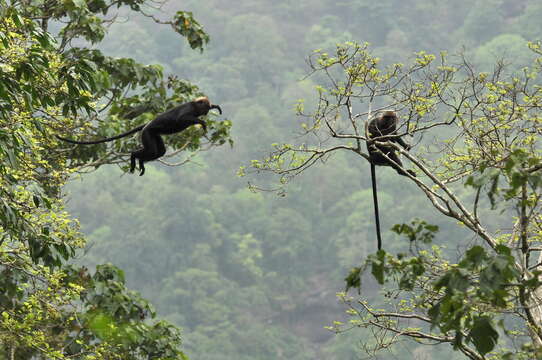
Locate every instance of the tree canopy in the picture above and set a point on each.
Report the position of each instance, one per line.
(249, 274)
(483, 133)
(50, 308)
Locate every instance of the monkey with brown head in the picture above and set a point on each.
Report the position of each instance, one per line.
(383, 128)
(172, 121)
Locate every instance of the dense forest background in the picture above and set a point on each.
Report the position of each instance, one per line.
(254, 275)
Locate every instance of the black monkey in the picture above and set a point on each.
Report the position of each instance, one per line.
(170, 122)
(384, 124)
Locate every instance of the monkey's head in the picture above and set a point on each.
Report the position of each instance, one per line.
(389, 113)
(203, 105)
(389, 117)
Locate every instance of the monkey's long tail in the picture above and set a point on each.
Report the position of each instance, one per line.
(129, 132)
(375, 200)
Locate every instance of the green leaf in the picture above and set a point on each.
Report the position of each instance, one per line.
(17, 19)
(419, 230)
(186, 25)
(483, 335)
(378, 267)
(474, 257)
(79, 4)
(353, 280)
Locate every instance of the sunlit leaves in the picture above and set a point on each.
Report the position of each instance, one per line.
(187, 26)
(348, 81)
(480, 130)
(505, 183)
(471, 294)
(424, 59)
(479, 280)
(51, 310)
(28, 52)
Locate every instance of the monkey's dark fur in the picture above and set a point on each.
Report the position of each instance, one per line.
(170, 122)
(384, 124)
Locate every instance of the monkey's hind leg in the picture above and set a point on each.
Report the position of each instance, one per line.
(397, 164)
(153, 148)
(141, 167)
(132, 162)
(136, 155)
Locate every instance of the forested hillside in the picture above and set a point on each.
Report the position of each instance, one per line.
(252, 274)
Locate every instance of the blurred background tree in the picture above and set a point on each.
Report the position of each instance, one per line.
(209, 212)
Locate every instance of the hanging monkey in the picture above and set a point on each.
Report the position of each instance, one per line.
(172, 121)
(384, 125)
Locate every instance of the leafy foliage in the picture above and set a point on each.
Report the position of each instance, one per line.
(487, 142)
(49, 309)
